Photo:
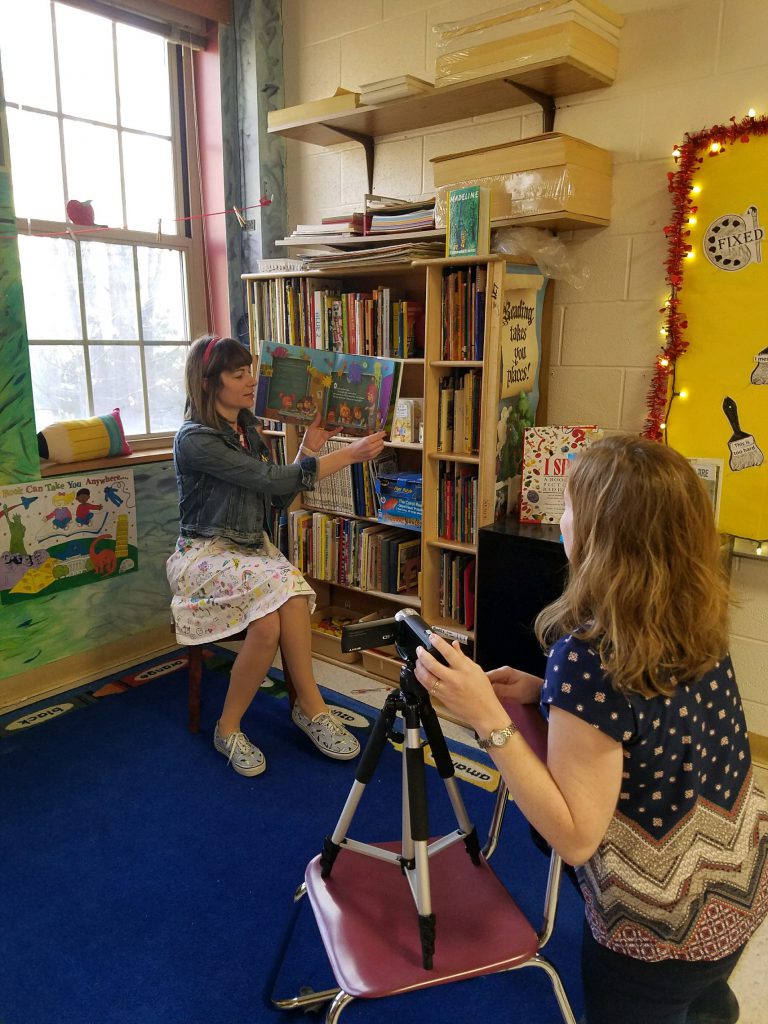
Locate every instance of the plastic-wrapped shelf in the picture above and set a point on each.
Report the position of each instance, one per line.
(562, 180)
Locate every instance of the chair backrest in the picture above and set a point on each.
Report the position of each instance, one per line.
(533, 728)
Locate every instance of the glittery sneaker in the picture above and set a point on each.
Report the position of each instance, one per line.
(240, 752)
(328, 734)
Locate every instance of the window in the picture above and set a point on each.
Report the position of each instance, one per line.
(95, 114)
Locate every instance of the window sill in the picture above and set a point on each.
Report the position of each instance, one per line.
(162, 453)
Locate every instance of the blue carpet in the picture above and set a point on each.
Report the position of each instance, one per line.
(145, 882)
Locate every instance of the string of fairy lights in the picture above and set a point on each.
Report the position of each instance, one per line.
(683, 186)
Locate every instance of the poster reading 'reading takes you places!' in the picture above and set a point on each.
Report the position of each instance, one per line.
(64, 532)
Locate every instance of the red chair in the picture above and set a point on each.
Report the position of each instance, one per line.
(368, 925)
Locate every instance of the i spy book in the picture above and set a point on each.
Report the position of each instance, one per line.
(468, 230)
(354, 393)
(547, 455)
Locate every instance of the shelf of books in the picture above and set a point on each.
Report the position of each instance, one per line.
(356, 535)
(461, 402)
(402, 531)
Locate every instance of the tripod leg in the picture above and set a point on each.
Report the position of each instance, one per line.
(418, 832)
(363, 775)
(444, 763)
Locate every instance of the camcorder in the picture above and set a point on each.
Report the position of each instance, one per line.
(407, 631)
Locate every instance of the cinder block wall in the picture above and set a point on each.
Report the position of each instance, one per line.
(683, 67)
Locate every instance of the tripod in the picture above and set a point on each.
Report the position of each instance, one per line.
(413, 703)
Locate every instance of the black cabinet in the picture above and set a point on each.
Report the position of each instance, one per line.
(520, 570)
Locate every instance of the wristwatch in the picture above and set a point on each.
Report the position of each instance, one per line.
(498, 737)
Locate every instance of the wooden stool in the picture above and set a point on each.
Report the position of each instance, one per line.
(195, 669)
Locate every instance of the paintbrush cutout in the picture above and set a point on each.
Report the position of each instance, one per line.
(744, 453)
(760, 372)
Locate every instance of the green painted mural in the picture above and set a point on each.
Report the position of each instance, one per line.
(18, 439)
(49, 627)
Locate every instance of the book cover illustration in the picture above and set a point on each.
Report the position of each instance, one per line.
(469, 223)
(547, 454)
(710, 472)
(354, 393)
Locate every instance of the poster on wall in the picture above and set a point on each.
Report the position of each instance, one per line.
(64, 532)
(520, 306)
(711, 386)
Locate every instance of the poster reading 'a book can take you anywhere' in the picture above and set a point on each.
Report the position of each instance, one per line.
(63, 532)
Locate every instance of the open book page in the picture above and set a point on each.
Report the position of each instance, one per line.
(354, 393)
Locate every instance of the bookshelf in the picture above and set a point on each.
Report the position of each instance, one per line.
(448, 542)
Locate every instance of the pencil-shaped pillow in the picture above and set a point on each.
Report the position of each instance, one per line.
(79, 440)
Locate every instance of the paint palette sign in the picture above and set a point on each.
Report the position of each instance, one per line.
(63, 532)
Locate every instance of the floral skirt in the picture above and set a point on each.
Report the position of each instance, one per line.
(220, 587)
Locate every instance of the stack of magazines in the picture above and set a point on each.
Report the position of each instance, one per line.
(403, 253)
(396, 215)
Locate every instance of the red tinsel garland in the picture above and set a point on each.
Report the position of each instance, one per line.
(689, 157)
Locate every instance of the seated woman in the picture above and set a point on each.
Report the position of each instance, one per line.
(648, 787)
(226, 575)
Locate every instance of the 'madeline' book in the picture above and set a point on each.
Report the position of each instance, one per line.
(547, 456)
(354, 393)
(468, 228)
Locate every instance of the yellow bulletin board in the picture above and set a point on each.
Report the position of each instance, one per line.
(709, 395)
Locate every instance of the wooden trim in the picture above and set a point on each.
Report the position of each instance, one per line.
(68, 468)
(80, 669)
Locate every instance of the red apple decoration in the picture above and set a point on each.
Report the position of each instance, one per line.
(81, 213)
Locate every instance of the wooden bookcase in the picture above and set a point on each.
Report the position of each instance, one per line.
(423, 281)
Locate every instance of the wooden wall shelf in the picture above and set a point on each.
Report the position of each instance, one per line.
(487, 95)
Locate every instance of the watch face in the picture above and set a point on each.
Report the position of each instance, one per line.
(499, 737)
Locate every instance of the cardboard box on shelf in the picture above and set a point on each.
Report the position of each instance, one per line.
(551, 175)
(384, 662)
(523, 47)
(326, 625)
(551, 149)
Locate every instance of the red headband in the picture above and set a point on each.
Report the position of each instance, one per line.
(209, 349)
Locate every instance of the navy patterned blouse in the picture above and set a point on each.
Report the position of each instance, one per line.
(682, 872)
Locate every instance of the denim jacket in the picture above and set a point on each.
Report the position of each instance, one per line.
(225, 490)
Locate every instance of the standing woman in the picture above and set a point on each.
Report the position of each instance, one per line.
(648, 786)
(226, 574)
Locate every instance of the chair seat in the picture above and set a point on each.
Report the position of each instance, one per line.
(369, 924)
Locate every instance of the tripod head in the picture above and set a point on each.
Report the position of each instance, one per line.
(406, 630)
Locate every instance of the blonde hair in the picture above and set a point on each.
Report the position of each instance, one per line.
(647, 585)
(202, 376)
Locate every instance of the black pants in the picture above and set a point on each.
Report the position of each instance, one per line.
(622, 990)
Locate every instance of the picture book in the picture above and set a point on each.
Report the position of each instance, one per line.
(710, 472)
(547, 454)
(407, 424)
(354, 393)
(468, 228)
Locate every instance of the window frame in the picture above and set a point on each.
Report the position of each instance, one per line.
(189, 240)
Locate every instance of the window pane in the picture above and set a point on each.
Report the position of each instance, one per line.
(116, 381)
(27, 31)
(161, 286)
(59, 375)
(51, 293)
(148, 166)
(109, 287)
(93, 170)
(86, 64)
(165, 385)
(38, 190)
(144, 98)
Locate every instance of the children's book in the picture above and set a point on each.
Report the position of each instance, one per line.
(710, 472)
(468, 228)
(547, 456)
(354, 393)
